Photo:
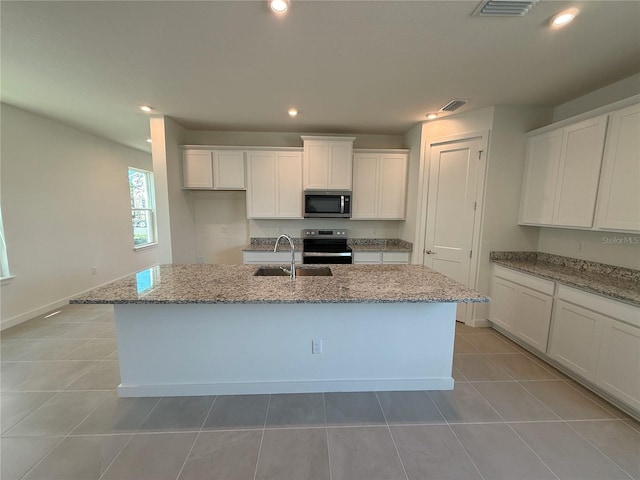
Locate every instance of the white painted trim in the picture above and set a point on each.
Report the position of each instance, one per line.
(243, 148)
(247, 388)
(425, 162)
(382, 150)
(23, 317)
(6, 280)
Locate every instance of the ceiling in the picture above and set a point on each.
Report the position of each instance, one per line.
(347, 66)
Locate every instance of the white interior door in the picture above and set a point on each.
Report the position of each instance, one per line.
(451, 210)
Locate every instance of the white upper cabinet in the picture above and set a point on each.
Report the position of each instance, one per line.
(540, 178)
(561, 175)
(197, 169)
(327, 163)
(213, 169)
(618, 206)
(274, 187)
(379, 186)
(580, 161)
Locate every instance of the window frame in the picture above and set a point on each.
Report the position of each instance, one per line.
(149, 210)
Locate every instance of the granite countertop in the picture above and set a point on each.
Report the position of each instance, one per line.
(617, 283)
(356, 244)
(185, 284)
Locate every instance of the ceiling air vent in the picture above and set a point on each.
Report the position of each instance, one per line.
(504, 8)
(452, 105)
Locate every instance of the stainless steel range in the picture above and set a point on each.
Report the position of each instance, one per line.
(325, 246)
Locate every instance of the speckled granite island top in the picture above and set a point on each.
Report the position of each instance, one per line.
(209, 284)
(610, 281)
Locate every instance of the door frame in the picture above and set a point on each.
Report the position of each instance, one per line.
(423, 196)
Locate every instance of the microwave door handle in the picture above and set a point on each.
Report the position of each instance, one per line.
(341, 204)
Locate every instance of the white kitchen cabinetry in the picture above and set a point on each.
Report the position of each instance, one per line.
(599, 339)
(561, 176)
(271, 258)
(618, 206)
(387, 258)
(213, 169)
(521, 305)
(327, 163)
(379, 186)
(540, 178)
(274, 184)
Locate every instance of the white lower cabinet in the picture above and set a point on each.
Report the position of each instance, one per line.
(270, 258)
(594, 337)
(575, 338)
(599, 339)
(618, 370)
(387, 258)
(521, 304)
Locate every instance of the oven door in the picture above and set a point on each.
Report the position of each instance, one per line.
(327, 257)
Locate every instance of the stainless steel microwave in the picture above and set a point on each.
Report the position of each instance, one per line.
(327, 204)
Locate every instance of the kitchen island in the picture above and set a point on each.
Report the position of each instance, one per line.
(218, 329)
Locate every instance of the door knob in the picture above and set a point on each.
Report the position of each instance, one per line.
(429, 252)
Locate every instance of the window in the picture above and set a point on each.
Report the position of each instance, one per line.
(143, 211)
(4, 261)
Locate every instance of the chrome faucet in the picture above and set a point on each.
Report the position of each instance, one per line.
(292, 269)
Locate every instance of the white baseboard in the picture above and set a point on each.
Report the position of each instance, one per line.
(479, 322)
(23, 317)
(250, 388)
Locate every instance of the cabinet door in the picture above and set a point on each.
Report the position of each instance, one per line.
(261, 191)
(340, 165)
(618, 369)
(197, 169)
(579, 175)
(365, 186)
(228, 170)
(575, 338)
(289, 184)
(392, 184)
(533, 316)
(618, 206)
(502, 309)
(540, 178)
(316, 164)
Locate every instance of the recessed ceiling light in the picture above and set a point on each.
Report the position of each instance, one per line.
(432, 116)
(148, 140)
(292, 112)
(563, 18)
(145, 108)
(279, 6)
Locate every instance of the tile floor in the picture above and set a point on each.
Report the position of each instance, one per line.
(510, 416)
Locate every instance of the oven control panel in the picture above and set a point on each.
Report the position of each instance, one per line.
(324, 233)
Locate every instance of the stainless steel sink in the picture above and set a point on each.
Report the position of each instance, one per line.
(300, 272)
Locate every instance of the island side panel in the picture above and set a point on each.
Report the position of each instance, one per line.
(187, 349)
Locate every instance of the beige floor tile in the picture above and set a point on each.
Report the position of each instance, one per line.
(464, 404)
(479, 368)
(522, 367)
(567, 453)
(513, 402)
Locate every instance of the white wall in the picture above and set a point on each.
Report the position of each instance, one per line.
(412, 141)
(65, 202)
(357, 228)
(282, 139)
(602, 247)
(625, 88)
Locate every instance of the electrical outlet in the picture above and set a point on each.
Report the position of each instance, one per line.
(580, 246)
(223, 229)
(199, 259)
(94, 271)
(280, 229)
(316, 347)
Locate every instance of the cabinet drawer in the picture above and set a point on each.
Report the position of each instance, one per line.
(367, 257)
(395, 257)
(269, 257)
(611, 308)
(524, 279)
